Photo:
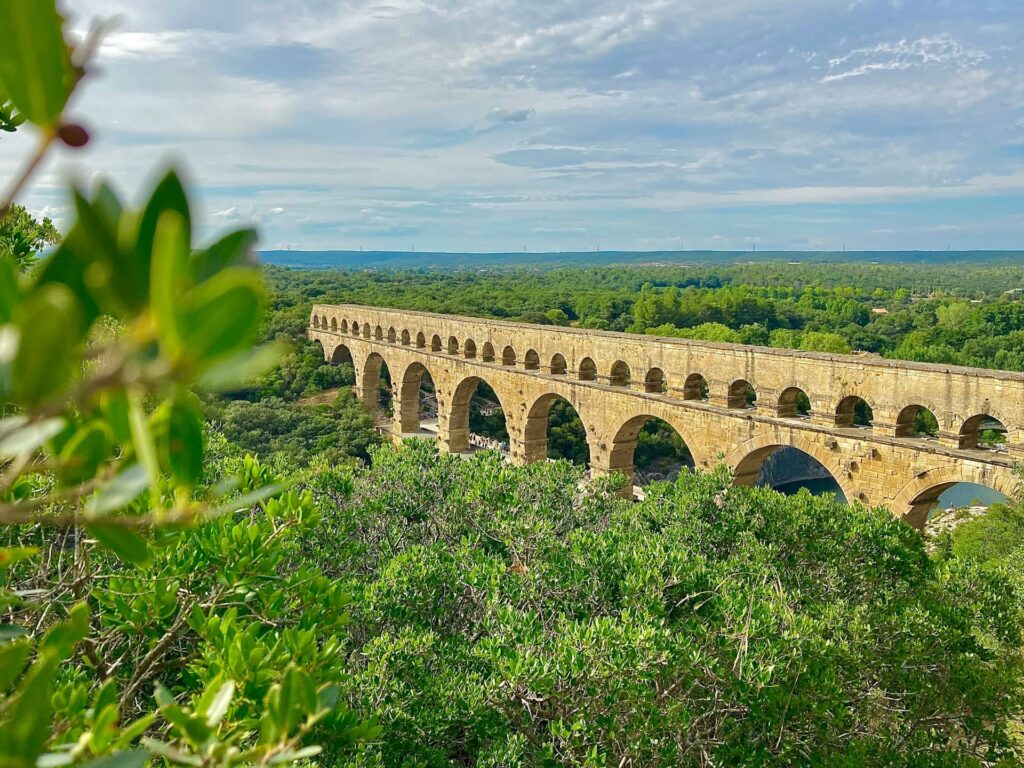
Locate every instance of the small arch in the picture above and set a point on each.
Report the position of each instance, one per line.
(378, 333)
(469, 349)
(532, 360)
(654, 381)
(334, 324)
(406, 338)
(316, 321)
(392, 335)
(558, 366)
(619, 376)
(508, 356)
(435, 343)
(487, 355)
(588, 370)
(916, 421)
(421, 341)
(854, 411)
(344, 326)
(983, 432)
(741, 394)
(696, 388)
(323, 321)
(355, 328)
(366, 330)
(453, 345)
(794, 404)
(341, 354)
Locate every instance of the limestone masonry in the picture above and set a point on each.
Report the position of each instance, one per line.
(618, 381)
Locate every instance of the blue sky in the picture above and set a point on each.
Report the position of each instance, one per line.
(568, 124)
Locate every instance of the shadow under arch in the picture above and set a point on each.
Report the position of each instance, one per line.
(555, 429)
(460, 438)
(341, 354)
(747, 460)
(411, 406)
(920, 496)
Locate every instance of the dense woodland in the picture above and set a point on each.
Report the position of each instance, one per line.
(208, 560)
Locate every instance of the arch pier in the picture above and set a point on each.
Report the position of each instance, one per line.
(891, 433)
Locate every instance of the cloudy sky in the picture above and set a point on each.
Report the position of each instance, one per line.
(568, 124)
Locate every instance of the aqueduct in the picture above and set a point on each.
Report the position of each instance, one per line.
(731, 403)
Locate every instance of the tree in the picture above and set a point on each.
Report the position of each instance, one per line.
(23, 237)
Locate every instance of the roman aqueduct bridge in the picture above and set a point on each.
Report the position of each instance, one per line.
(814, 402)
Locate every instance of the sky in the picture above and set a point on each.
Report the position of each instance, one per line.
(546, 125)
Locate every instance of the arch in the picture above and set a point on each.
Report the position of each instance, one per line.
(588, 370)
(323, 352)
(537, 442)
(748, 458)
(378, 333)
(392, 335)
(654, 381)
(916, 421)
(741, 395)
(316, 321)
(558, 366)
(412, 404)
(435, 343)
(323, 321)
(459, 436)
(794, 404)
(854, 411)
(366, 330)
(919, 496)
(355, 328)
(696, 388)
(406, 338)
(341, 354)
(508, 356)
(344, 326)
(531, 361)
(487, 355)
(334, 324)
(453, 345)
(375, 382)
(644, 430)
(421, 341)
(469, 349)
(619, 375)
(982, 432)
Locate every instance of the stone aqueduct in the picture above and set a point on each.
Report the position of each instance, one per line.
(617, 381)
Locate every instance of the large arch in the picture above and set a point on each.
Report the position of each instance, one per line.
(375, 371)
(918, 497)
(747, 459)
(626, 437)
(535, 429)
(341, 354)
(409, 409)
(459, 436)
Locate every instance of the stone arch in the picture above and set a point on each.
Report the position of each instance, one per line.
(392, 335)
(977, 433)
(696, 388)
(469, 349)
(378, 333)
(344, 326)
(406, 338)
(323, 352)
(588, 370)
(535, 429)
(919, 496)
(623, 437)
(741, 394)
(917, 420)
(408, 410)
(366, 330)
(421, 341)
(355, 328)
(316, 321)
(747, 458)
(794, 404)
(453, 345)
(334, 324)
(458, 413)
(341, 354)
(619, 375)
(655, 382)
(435, 343)
(531, 361)
(508, 356)
(854, 411)
(370, 378)
(487, 355)
(558, 366)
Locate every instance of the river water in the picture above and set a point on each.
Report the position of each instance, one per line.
(959, 495)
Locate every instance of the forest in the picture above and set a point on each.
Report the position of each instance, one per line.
(208, 558)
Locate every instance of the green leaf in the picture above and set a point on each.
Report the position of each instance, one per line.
(218, 706)
(119, 492)
(295, 755)
(168, 196)
(61, 638)
(126, 544)
(8, 290)
(232, 250)
(132, 758)
(50, 328)
(242, 368)
(89, 447)
(174, 755)
(11, 555)
(183, 446)
(35, 66)
(169, 280)
(222, 315)
(17, 437)
(13, 656)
